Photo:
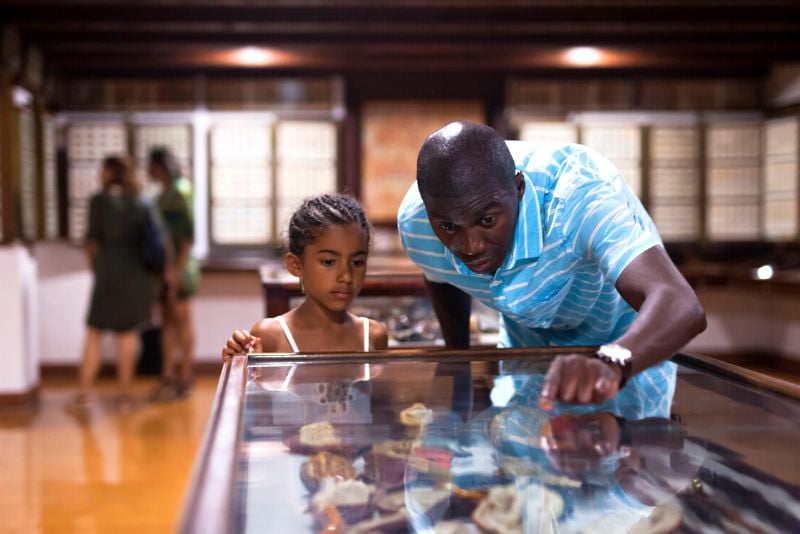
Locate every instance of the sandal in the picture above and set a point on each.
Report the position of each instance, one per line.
(184, 387)
(81, 401)
(165, 390)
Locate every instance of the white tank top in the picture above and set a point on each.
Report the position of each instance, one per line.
(293, 343)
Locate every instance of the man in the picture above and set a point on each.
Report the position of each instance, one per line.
(552, 238)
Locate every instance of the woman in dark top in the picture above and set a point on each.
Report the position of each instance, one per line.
(121, 297)
(181, 276)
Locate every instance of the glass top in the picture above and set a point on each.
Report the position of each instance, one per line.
(421, 446)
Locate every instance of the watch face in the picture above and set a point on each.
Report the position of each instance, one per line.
(616, 352)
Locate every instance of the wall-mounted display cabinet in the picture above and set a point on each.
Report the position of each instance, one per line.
(733, 180)
(250, 170)
(88, 143)
(719, 177)
(781, 195)
(28, 175)
(50, 203)
(174, 135)
(260, 171)
(674, 173)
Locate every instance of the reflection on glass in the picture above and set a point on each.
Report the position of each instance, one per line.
(427, 447)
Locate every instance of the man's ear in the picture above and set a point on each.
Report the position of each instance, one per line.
(519, 183)
(293, 264)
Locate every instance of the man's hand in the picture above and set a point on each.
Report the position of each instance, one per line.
(241, 342)
(579, 380)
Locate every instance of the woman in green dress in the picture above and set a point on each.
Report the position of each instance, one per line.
(121, 296)
(181, 276)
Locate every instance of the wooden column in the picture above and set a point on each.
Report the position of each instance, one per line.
(7, 149)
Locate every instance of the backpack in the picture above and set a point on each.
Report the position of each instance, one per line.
(151, 244)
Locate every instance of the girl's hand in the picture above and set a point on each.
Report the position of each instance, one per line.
(241, 342)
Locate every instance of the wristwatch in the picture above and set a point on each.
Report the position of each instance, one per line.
(616, 354)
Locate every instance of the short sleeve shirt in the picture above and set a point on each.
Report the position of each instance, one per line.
(176, 206)
(579, 226)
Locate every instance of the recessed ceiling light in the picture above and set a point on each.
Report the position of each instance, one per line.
(253, 56)
(583, 56)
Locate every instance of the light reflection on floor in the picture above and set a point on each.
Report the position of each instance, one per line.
(101, 471)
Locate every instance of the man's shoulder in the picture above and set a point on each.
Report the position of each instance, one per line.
(411, 208)
(537, 152)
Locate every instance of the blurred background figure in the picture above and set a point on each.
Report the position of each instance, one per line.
(181, 276)
(121, 296)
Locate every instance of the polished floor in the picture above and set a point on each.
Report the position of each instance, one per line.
(102, 470)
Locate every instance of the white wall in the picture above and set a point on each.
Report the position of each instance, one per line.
(18, 325)
(226, 301)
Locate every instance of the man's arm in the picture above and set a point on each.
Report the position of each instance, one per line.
(669, 317)
(670, 314)
(453, 308)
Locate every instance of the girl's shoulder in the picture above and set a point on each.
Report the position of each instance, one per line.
(270, 332)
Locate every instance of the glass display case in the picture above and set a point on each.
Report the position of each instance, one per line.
(441, 441)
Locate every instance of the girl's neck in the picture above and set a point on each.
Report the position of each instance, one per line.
(314, 312)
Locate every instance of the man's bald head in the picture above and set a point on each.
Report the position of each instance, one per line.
(462, 156)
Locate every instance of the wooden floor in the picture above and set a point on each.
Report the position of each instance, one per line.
(105, 471)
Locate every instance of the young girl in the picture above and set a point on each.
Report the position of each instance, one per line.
(329, 240)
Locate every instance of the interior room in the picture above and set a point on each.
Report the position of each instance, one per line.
(242, 110)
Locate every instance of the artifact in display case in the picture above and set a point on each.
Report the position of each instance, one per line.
(781, 198)
(87, 144)
(482, 456)
(733, 178)
(675, 182)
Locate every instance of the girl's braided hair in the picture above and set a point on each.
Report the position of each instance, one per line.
(318, 213)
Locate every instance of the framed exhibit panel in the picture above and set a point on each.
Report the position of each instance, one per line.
(391, 136)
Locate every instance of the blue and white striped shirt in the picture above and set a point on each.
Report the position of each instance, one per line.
(579, 226)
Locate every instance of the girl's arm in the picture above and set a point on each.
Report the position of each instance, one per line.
(268, 331)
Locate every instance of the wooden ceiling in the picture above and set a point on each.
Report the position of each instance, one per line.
(161, 37)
